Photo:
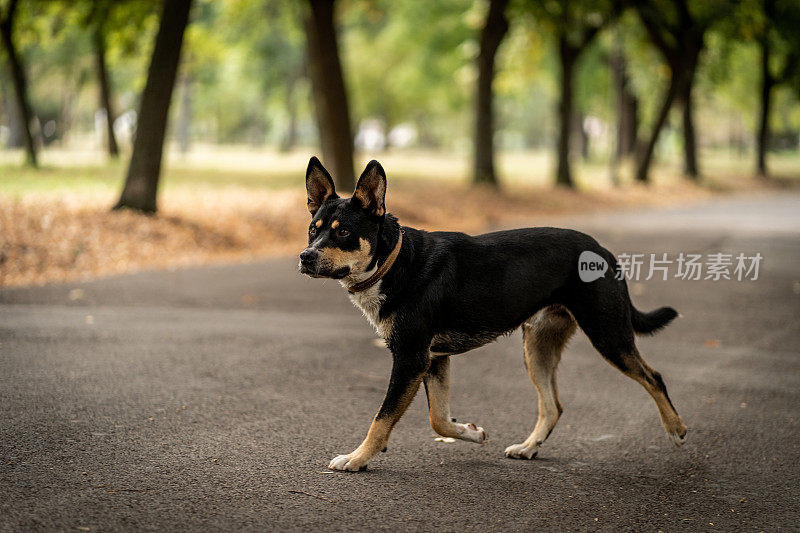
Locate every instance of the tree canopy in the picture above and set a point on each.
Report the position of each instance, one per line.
(410, 71)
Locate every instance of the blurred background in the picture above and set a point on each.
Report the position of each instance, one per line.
(484, 113)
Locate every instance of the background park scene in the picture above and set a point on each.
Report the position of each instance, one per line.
(164, 366)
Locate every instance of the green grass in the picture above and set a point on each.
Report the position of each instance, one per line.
(18, 180)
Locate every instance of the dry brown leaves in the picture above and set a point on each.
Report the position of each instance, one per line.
(46, 238)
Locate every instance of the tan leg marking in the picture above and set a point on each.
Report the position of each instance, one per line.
(654, 385)
(437, 386)
(544, 337)
(377, 437)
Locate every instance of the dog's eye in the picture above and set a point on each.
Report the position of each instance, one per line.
(312, 231)
(342, 233)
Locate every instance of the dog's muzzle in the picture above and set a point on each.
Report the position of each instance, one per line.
(309, 258)
(309, 262)
(312, 264)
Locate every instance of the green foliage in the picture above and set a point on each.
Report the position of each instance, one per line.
(730, 76)
(570, 18)
(525, 86)
(55, 40)
(408, 61)
(405, 61)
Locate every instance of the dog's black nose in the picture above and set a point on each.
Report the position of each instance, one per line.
(308, 257)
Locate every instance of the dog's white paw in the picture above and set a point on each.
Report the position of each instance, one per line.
(522, 451)
(472, 433)
(676, 438)
(347, 463)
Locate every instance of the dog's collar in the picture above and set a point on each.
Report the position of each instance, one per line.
(382, 270)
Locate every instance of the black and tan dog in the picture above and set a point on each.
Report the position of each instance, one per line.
(433, 295)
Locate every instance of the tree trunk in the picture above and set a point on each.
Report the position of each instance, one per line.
(690, 167)
(646, 152)
(330, 96)
(627, 107)
(183, 132)
(492, 35)
(16, 135)
(682, 57)
(141, 184)
(20, 82)
(630, 123)
(767, 83)
(567, 57)
(318, 96)
(105, 91)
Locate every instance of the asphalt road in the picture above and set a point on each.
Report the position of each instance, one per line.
(214, 398)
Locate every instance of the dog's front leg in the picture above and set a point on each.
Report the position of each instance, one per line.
(437, 387)
(407, 371)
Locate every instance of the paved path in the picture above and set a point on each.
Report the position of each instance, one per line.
(215, 397)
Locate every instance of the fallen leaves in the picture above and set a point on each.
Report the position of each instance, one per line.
(50, 238)
(46, 239)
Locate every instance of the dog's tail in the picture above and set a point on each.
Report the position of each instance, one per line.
(652, 322)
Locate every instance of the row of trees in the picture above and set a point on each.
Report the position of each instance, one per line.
(677, 29)
(96, 19)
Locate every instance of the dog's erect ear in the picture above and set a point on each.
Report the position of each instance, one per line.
(319, 185)
(371, 189)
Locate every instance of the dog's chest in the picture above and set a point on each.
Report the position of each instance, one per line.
(369, 302)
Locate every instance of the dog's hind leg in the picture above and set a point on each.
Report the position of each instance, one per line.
(544, 337)
(653, 384)
(632, 365)
(437, 388)
(611, 334)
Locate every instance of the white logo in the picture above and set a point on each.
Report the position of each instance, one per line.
(591, 266)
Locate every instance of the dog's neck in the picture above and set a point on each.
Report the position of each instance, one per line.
(388, 236)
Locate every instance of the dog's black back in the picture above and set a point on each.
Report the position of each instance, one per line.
(484, 286)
